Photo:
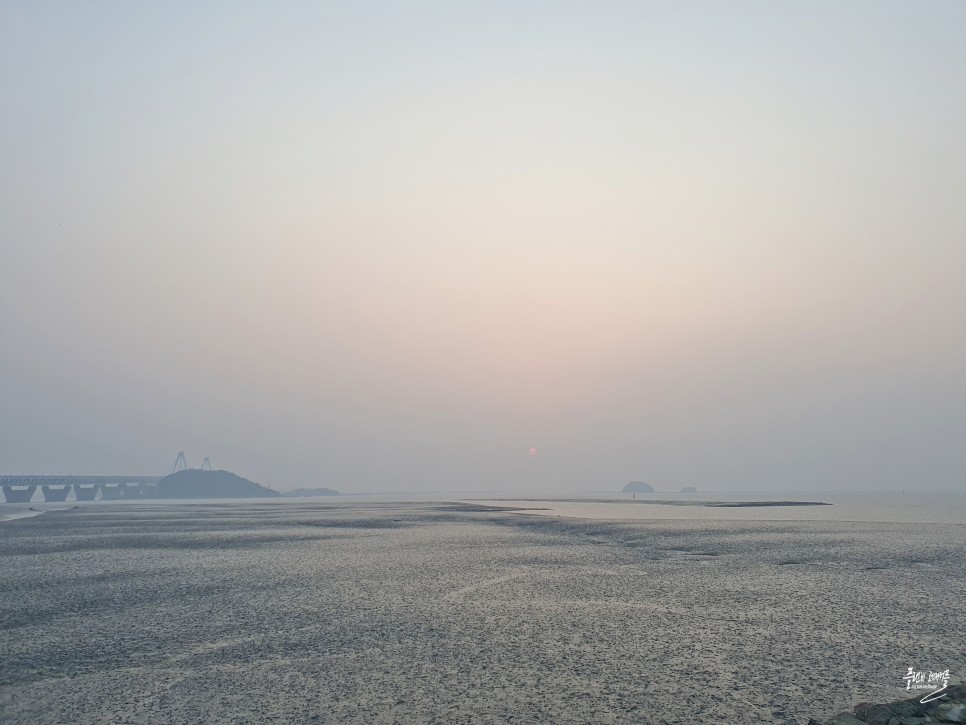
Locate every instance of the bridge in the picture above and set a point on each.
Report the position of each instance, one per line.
(21, 489)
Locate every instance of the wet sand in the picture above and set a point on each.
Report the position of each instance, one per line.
(456, 612)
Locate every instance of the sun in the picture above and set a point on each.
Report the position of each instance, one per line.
(533, 451)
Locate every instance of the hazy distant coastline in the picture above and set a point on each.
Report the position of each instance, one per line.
(305, 492)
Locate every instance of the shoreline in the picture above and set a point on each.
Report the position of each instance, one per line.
(20, 515)
(663, 502)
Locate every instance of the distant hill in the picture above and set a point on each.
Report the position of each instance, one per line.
(638, 487)
(313, 492)
(195, 483)
(689, 489)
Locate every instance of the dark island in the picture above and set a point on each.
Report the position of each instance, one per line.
(638, 487)
(196, 483)
(312, 492)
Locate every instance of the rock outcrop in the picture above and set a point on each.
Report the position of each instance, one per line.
(948, 709)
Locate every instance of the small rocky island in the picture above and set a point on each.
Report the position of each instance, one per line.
(302, 492)
(197, 483)
(638, 487)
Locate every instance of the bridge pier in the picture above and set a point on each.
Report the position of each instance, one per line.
(55, 494)
(18, 494)
(133, 490)
(112, 493)
(85, 493)
(20, 489)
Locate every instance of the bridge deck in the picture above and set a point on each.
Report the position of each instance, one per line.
(74, 480)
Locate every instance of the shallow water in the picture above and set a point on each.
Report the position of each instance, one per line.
(372, 611)
(873, 506)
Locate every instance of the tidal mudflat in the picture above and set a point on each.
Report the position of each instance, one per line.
(458, 612)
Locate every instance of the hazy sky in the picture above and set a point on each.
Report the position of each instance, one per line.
(393, 246)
